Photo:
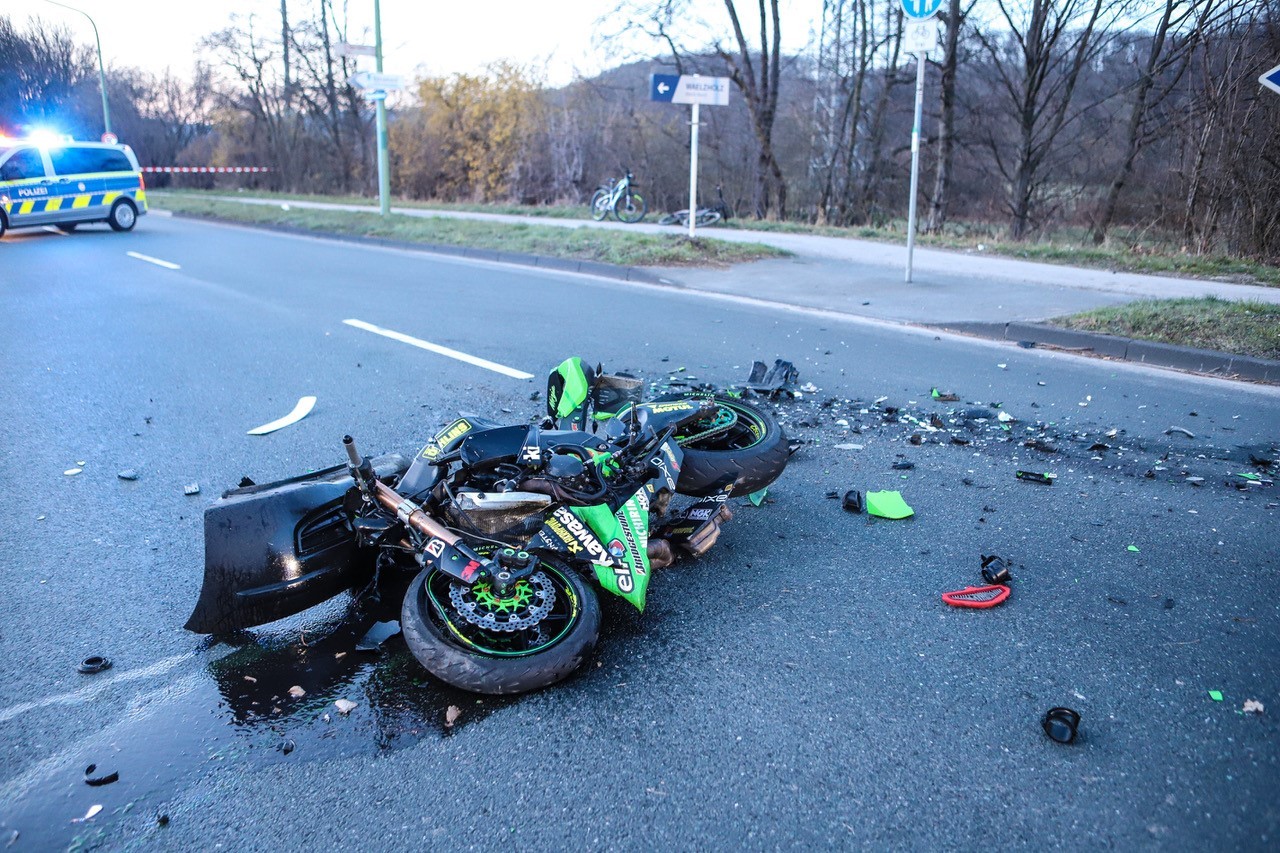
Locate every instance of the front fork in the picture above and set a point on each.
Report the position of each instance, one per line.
(444, 549)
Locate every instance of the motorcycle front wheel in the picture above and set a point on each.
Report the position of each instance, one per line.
(542, 630)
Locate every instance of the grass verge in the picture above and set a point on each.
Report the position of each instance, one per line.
(1242, 328)
(588, 244)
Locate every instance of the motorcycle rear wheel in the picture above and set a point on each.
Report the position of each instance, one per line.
(753, 449)
(492, 662)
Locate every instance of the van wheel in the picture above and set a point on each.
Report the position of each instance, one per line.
(4, 224)
(123, 216)
(67, 227)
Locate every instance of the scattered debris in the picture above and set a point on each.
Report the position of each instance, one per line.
(1134, 549)
(757, 498)
(251, 679)
(1253, 706)
(89, 815)
(162, 819)
(378, 634)
(1215, 695)
(1006, 418)
(245, 483)
(1046, 478)
(127, 474)
(287, 746)
(995, 570)
(300, 411)
(888, 504)
(451, 715)
(771, 380)
(93, 778)
(847, 446)
(297, 692)
(947, 397)
(853, 500)
(71, 472)
(1180, 431)
(1061, 724)
(903, 466)
(94, 664)
(191, 489)
(344, 706)
(977, 597)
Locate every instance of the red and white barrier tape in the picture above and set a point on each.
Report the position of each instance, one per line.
(202, 169)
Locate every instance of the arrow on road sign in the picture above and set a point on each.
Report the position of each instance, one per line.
(1271, 79)
(920, 9)
(377, 80)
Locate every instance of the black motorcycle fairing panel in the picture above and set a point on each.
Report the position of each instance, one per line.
(277, 549)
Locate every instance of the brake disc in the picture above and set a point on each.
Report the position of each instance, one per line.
(525, 605)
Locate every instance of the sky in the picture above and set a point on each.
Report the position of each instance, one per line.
(421, 37)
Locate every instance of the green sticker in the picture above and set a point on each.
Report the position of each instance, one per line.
(888, 505)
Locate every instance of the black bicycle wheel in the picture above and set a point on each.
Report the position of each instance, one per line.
(600, 205)
(630, 208)
(708, 217)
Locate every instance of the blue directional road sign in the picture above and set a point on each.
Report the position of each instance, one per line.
(921, 9)
(1271, 79)
(688, 89)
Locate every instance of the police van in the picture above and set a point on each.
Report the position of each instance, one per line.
(69, 183)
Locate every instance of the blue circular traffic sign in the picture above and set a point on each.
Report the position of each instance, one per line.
(921, 9)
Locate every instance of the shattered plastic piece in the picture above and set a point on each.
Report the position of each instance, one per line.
(1036, 477)
(903, 466)
(245, 483)
(287, 746)
(94, 664)
(888, 504)
(93, 810)
(1215, 695)
(1253, 706)
(847, 446)
(1005, 418)
(1061, 724)
(1133, 548)
(947, 397)
(297, 692)
(977, 597)
(757, 498)
(451, 715)
(93, 778)
(853, 500)
(378, 634)
(71, 472)
(127, 474)
(191, 489)
(1180, 431)
(1003, 366)
(772, 379)
(344, 706)
(809, 388)
(300, 411)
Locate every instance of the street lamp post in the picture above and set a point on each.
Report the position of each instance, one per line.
(102, 74)
(384, 161)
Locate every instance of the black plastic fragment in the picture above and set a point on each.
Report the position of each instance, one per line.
(903, 466)
(852, 500)
(93, 664)
(245, 483)
(377, 635)
(770, 380)
(995, 570)
(1061, 724)
(94, 778)
(1034, 477)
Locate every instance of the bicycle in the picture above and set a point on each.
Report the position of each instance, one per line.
(706, 215)
(620, 199)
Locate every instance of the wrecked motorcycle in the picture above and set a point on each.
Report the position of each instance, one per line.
(505, 525)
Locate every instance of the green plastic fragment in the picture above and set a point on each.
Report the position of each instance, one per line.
(887, 505)
(1249, 476)
(934, 393)
(1134, 549)
(757, 498)
(1215, 695)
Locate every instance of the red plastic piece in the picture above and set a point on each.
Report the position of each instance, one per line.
(978, 597)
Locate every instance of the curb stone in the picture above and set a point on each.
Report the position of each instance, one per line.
(1126, 349)
(598, 268)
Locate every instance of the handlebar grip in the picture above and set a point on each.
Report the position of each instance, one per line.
(354, 455)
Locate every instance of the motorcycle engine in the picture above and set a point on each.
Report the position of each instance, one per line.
(503, 515)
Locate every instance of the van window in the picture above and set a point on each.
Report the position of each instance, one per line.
(26, 163)
(78, 161)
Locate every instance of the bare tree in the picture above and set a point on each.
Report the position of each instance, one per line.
(954, 20)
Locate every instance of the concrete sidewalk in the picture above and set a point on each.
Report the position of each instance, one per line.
(866, 278)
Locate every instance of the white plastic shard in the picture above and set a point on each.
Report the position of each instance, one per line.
(300, 411)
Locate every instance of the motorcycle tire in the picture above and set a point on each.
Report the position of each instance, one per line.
(600, 204)
(754, 450)
(456, 652)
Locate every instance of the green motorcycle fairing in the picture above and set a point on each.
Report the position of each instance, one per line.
(625, 535)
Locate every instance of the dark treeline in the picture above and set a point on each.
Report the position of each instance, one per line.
(1130, 120)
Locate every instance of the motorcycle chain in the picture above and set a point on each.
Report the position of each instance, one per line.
(465, 604)
(713, 431)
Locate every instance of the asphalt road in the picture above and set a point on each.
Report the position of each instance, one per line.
(801, 686)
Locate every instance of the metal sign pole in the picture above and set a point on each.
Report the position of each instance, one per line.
(384, 161)
(915, 160)
(693, 169)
